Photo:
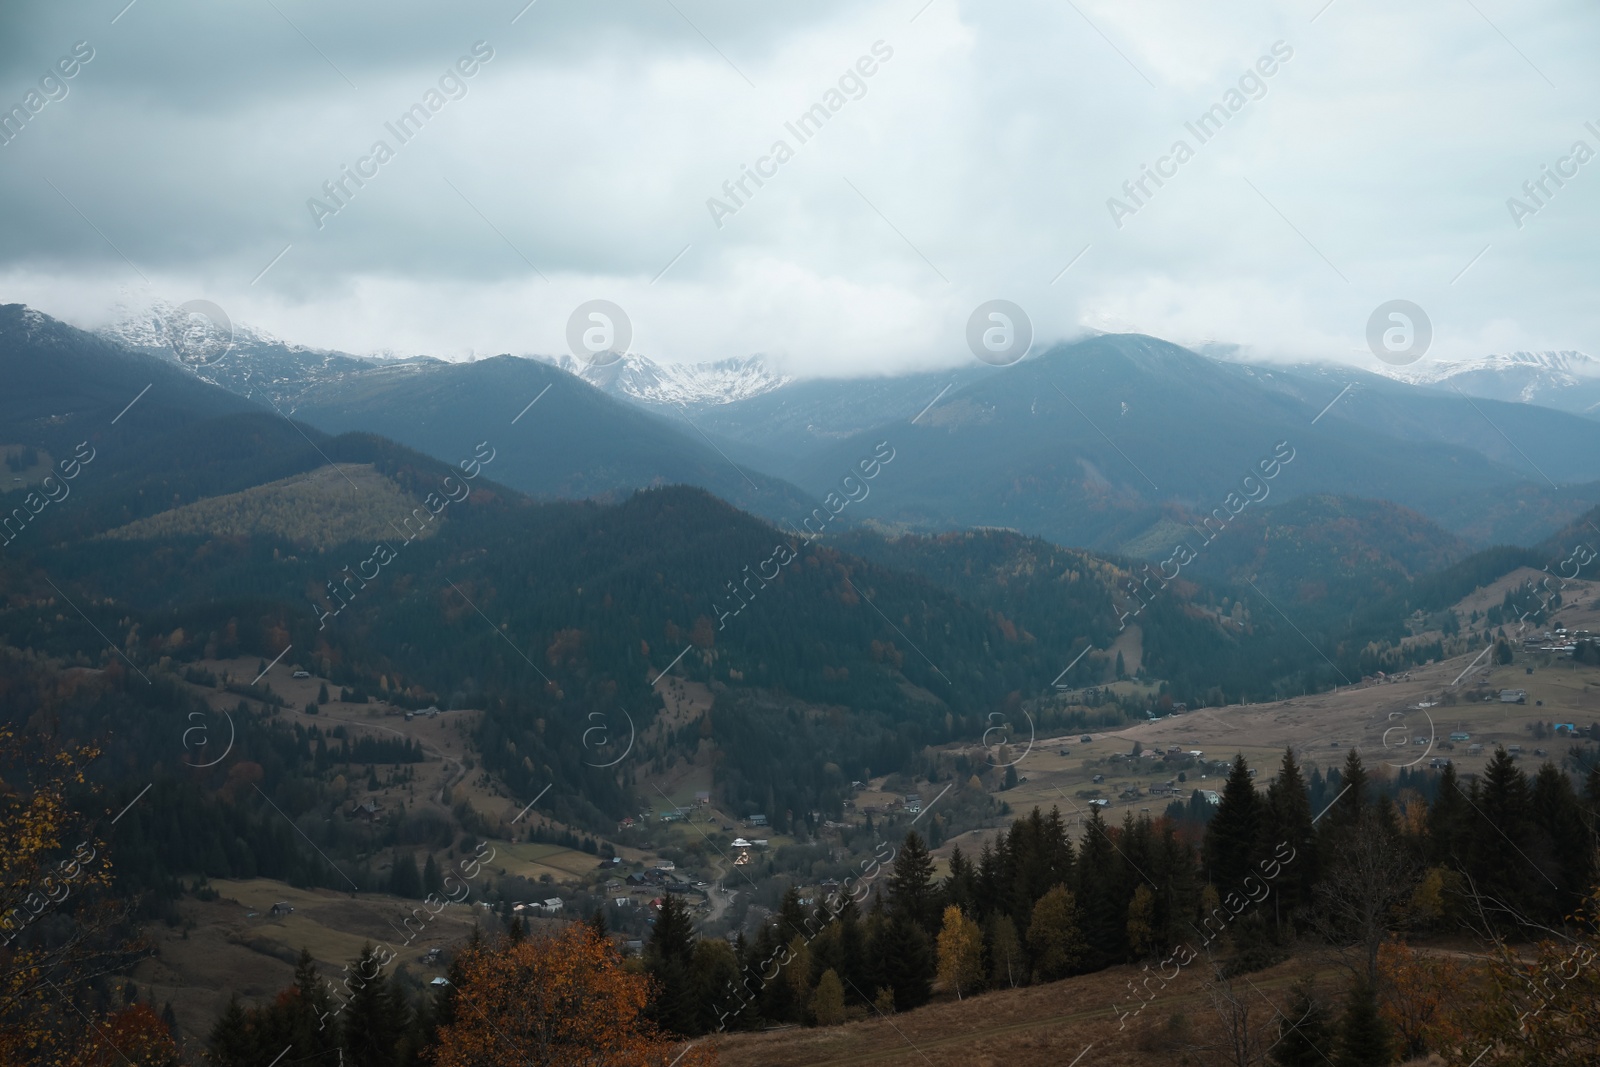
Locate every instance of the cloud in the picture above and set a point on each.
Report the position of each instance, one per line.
(976, 163)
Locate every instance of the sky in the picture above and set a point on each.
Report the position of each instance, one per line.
(993, 152)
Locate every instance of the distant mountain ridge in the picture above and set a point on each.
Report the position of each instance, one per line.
(640, 378)
(1564, 380)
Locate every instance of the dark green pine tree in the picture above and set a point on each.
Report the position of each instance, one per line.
(1234, 834)
(1502, 818)
(791, 916)
(404, 880)
(911, 890)
(1591, 790)
(375, 1017)
(432, 882)
(1304, 1036)
(232, 1044)
(1101, 904)
(314, 1023)
(1449, 822)
(1288, 821)
(1353, 793)
(852, 967)
(668, 958)
(1564, 849)
(960, 886)
(908, 962)
(1364, 1039)
(597, 923)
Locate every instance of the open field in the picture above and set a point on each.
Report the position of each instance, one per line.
(237, 945)
(1049, 1025)
(1381, 720)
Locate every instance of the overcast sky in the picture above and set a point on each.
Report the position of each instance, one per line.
(976, 162)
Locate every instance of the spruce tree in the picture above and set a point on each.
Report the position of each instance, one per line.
(1363, 1036)
(1101, 904)
(1288, 821)
(1233, 837)
(1304, 1036)
(911, 889)
(909, 964)
(432, 881)
(1449, 822)
(404, 880)
(375, 1016)
(1353, 791)
(668, 958)
(314, 1026)
(231, 1043)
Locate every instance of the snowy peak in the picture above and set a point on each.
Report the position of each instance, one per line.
(1567, 380)
(1566, 367)
(700, 384)
(157, 324)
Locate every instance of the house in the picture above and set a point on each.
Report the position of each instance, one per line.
(1420, 740)
(432, 955)
(622, 902)
(1097, 779)
(282, 907)
(758, 842)
(439, 983)
(367, 810)
(1514, 750)
(1100, 803)
(664, 865)
(1513, 696)
(1211, 796)
(636, 878)
(553, 906)
(635, 947)
(913, 803)
(1474, 750)
(614, 885)
(757, 820)
(302, 674)
(1438, 762)
(1460, 736)
(702, 797)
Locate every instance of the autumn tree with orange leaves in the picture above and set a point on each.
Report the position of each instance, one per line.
(54, 928)
(554, 1000)
(133, 1035)
(1421, 997)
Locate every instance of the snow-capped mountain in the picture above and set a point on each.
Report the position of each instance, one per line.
(642, 379)
(1566, 381)
(241, 358)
